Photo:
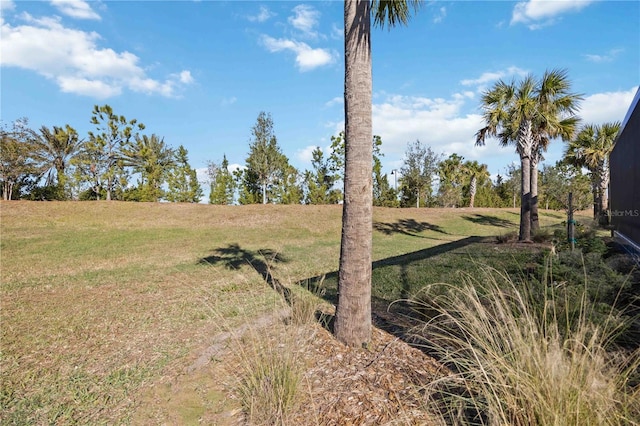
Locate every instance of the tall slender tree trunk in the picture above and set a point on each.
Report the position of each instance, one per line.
(525, 205)
(264, 193)
(109, 185)
(353, 312)
(473, 186)
(535, 221)
(604, 197)
(525, 150)
(595, 190)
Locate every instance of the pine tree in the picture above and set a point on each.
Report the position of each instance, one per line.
(222, 183)
(183, 180)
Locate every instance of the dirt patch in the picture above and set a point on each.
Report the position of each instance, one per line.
(381, 385)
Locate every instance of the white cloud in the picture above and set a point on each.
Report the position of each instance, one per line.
(539, 13)
(443, 125)
(202, 175)
(607, 57)
(438, 123)
(7, 5)
(337, 32)
(74, 61)
(228, 101)
(606, 107)
(305, 155)
(338, 100)
(305, 19)
(491, 76)
(440, 15)
(307, 58)
(184, 77)
(82, 86)
(263, 15)
(79, 9)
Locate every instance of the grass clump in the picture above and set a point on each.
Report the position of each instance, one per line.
(269, 387)
(513, 364)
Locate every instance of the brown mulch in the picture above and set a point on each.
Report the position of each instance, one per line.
(381, 385)
(377, 386)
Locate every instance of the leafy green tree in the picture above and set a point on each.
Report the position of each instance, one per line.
(222, 183)
(529, 114)
(183, 180)
(18, 166)
(353, 311)
(319, 182)
(287, 188)
(561, 179)
(265, 158)
(54, 149)
(452, 175)
(508, 187)
(152, 159)
(101, 159)
(591, 149)
(420, 165)
(249, 189)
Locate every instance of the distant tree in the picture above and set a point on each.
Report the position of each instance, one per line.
(320, 180)
(558, 181)
(508, 186)
(418, 172)
(288, 188)
(101, 160)
(249, 189)
(182, 180)
(18, 166)
(152, 159)
(451, 172)
(265, 158)
(475, 172)
(222, 183)
(55, 149)
(591, 149)
(335, 162)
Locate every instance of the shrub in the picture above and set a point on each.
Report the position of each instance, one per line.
(513, 363)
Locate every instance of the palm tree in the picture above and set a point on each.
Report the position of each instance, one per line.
(529, 115)
(54, 149)
(476, 172)
(591, 149)
(153, 159)
(353, 312)
(557, 119)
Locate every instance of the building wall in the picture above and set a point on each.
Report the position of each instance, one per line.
(624, 186)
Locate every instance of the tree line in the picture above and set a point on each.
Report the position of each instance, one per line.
(57, 164)
(117, 162)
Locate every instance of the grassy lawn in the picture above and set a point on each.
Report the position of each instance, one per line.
(103, 300)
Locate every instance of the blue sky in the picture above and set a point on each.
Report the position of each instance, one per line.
(198, 72)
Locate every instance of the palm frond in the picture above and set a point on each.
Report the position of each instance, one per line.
(393, 12)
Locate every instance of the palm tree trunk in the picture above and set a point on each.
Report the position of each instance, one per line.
(535, 221)
(604, 198)
(473, 186)
(525, 146)
(525, 207)
(353, 312)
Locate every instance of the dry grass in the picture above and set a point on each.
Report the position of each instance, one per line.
(515, 366)
(106, 305)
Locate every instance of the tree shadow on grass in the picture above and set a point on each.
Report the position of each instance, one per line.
(409, 227)
(234, 257)
(485, 219)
